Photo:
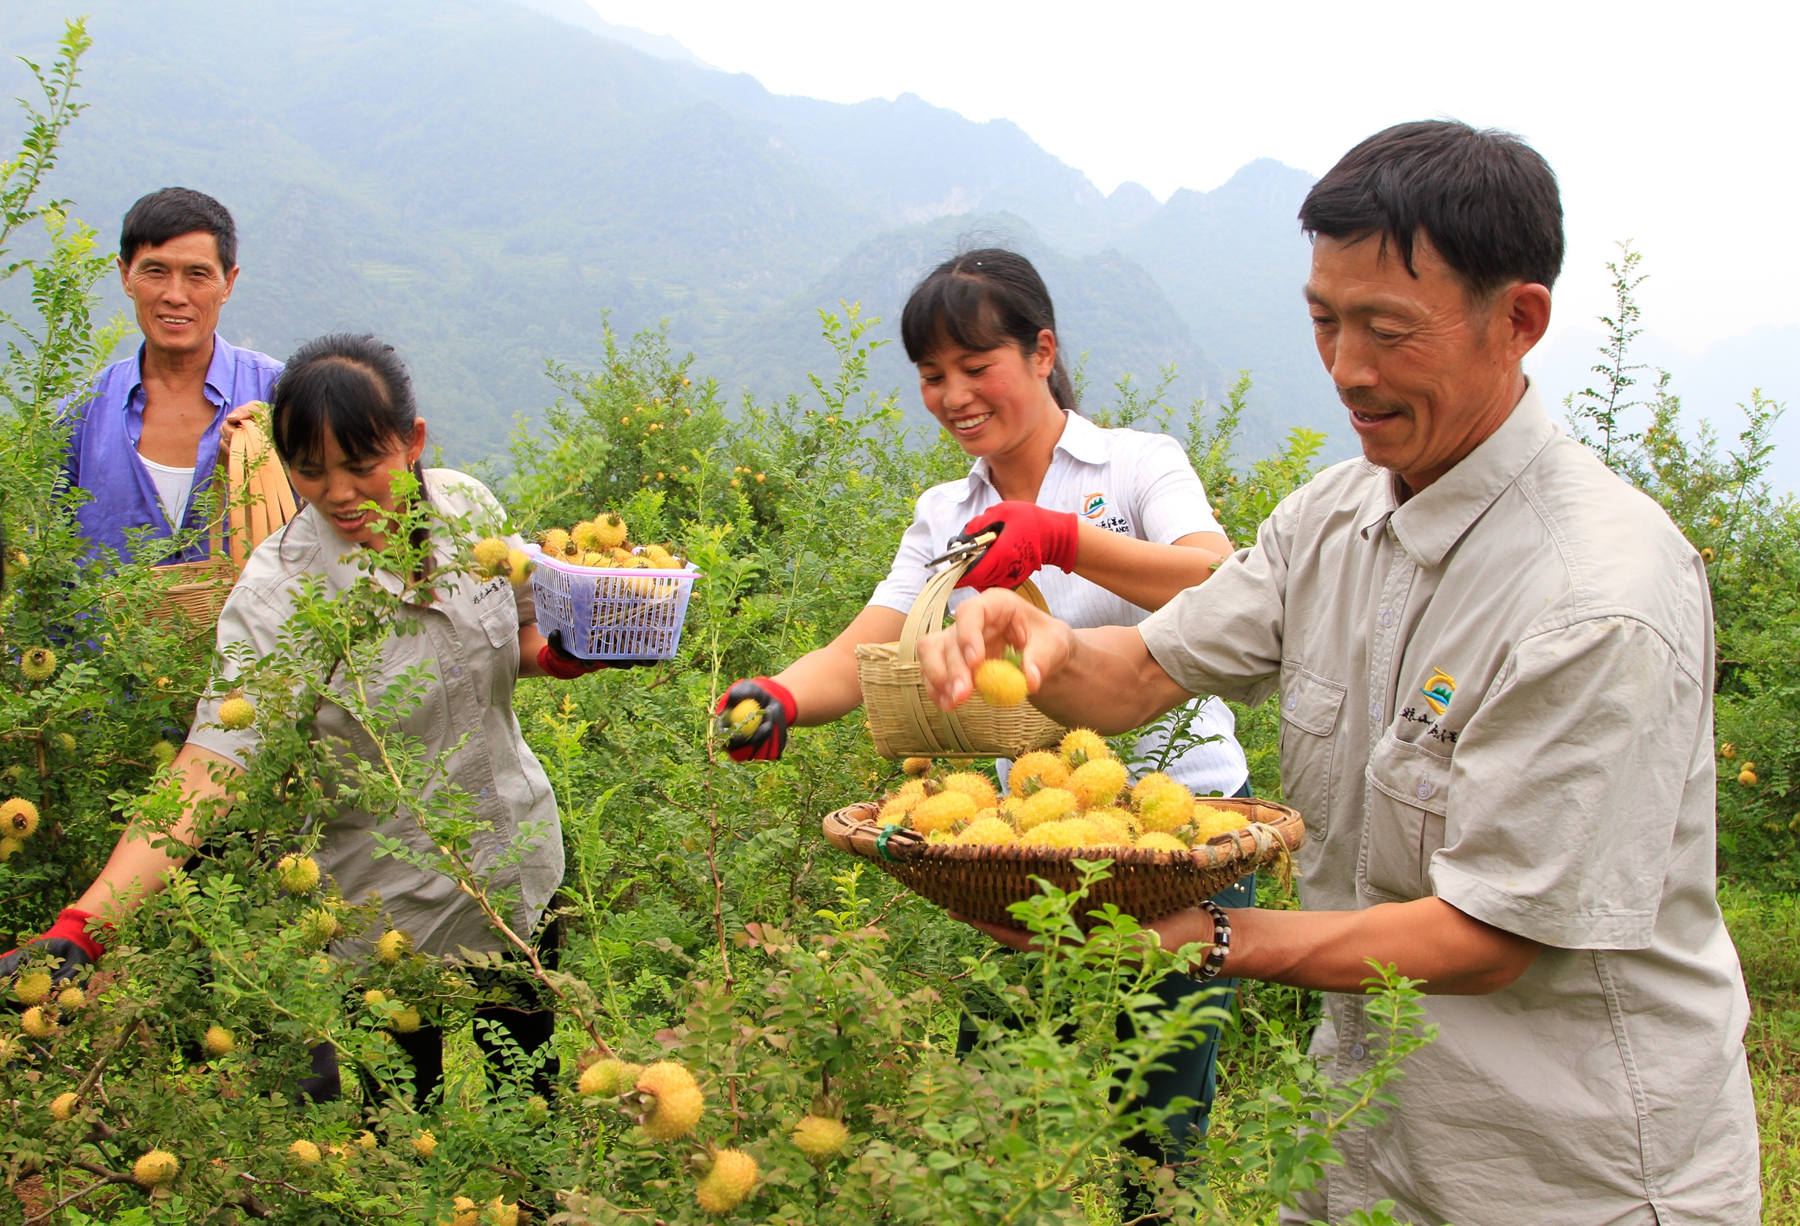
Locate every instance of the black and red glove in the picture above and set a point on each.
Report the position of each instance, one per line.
(1030, 538)
(760, 734)
(67, 939)
(560, 664)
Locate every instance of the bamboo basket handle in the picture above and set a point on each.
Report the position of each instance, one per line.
(270, 505)
(926, 617)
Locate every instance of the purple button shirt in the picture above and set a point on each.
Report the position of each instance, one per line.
(102, 457)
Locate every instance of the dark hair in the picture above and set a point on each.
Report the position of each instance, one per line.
(352, 382)
(1487, 200)
(982, 300)
(171, 212)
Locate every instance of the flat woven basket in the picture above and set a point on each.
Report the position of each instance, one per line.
(905, 721)
(981, 882)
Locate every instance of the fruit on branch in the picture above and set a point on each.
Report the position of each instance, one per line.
(394, 945)
(38, 664)
(219, 1041)
(820, 1137)
(607, 1078)
(424, 1144)
(304, 1152)
(297, 874)
(729, 1183)
(677, 1103)
(236, 714)
(155, 1168)
(32, 987)
(18, 818)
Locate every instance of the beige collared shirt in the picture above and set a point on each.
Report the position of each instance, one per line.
(468, 640)
(1500, 693)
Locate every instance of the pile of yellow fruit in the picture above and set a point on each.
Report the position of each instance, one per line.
(1074, 797)
(605, 541)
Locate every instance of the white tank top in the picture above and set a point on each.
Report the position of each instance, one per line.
(173, 485)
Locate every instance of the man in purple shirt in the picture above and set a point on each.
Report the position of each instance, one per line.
(146, 442)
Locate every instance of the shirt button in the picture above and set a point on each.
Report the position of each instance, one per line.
(1358, 1051)
(484, 793)
(1424, 790)
(1374, 710)
(1293, 700)
(1387, 617)
(457, 671)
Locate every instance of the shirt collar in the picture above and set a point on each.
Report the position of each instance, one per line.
(219, 373)
(1081, 440)
(1429, 523)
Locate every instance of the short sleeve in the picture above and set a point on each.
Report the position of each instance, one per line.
(1224, 636)
(1171, 501)
(909, 573)
(1566, 785)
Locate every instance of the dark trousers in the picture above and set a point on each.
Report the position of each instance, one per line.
(530, 1029)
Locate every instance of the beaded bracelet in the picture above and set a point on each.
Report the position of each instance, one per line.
(1215, 958)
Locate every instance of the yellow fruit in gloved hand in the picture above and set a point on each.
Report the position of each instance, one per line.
(975, 787)
(518, 567)
(297, 874)
(304, 1152)
(942, 811)
(1040, 767)
(63, 1106)
(1000, 683)
(1097, 782)
(236, 714)
(32, 987)
(744, 719)
(820, 1137)
(156, 1168)
(37, 1023)
(1047, 805)
(38, 664)
(393, 946)
(1156, 840)
(729, 1183)
(491, 554)
(679, 1101)
(1083, 745)
(18, 818)
(219, 1041)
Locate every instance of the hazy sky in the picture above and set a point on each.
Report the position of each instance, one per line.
(1672, 125)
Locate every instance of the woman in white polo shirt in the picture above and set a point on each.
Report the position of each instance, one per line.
(1112, 524)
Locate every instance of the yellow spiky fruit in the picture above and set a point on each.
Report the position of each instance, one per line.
(318, 927)
(491, 554)
(988, 831)
(366, 1140)
(1747, 777)
(611, 529)
(406, 1021)
(679, 1101)
(394, 945)
(304, 1152)
(424, 1144)
(38, 664)
(32, 987)
(1157, 840)
(236, 714)
(1165, 807)
(163, 753)
(820, 1137)
(297, 874)
(1728, 751)
(1000, 683)
(465, 1213)
(941, 812)
(219, 1041)
(729, 1183)
(63, 1106)
(976, 787)
(1210, 821)
(1041, 766)
(1069, 832)
(555, 542)
(518, 567)
(156, 1168)
(1119, 827)
(1097, 782)
(374, 997)
(1048, 805)
(71, 998)
(1010, 806)
(18, 818)
(607, 1078)
(9, 847)
(37, 1023)
(916, 766)
(1083, 745)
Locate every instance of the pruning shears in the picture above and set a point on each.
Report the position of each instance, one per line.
(963, 547)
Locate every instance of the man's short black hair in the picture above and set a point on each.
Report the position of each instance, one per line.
(1487, 200)
(171, 212)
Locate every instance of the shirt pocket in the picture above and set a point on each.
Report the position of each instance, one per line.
(1309, 717)
(1409, 787)
(500, 625)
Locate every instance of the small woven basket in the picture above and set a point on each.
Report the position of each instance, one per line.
(905, 721)
(611, 612)
(981, 882)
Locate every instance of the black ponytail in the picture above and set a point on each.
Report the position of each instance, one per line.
(982, 300)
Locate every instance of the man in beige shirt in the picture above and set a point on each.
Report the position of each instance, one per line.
(1494, 662)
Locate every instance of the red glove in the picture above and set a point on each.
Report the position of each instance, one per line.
(1030, 537)
(67, 939)
(560, 664)
(763, 735)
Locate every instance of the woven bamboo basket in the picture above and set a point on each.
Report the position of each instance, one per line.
(262, 502)
(905, 721)
(981, 882)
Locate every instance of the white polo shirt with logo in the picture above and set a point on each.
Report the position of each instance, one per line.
(1126, 481)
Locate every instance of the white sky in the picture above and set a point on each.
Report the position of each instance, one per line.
(1669, 125)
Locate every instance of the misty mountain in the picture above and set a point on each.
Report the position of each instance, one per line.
(478, 180)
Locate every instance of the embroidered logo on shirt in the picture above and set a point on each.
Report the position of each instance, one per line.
(1439, 690)
(1093, 506)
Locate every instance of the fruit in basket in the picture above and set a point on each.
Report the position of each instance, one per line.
(1162, 804)
(916, 766)
(988, 831)
(1000, 683)
(555, 542)
(610, 530)
(1069, 832)
(942, 811)
(491, 554)
(1157, 840)
(1211, 821)
(1116, 824)
(1040, 767)
(593, 559)
(1083, 745)
(975, 786)
(1047, 805)
(1095, 783)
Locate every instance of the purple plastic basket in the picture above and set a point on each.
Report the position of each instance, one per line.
(611, 613)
